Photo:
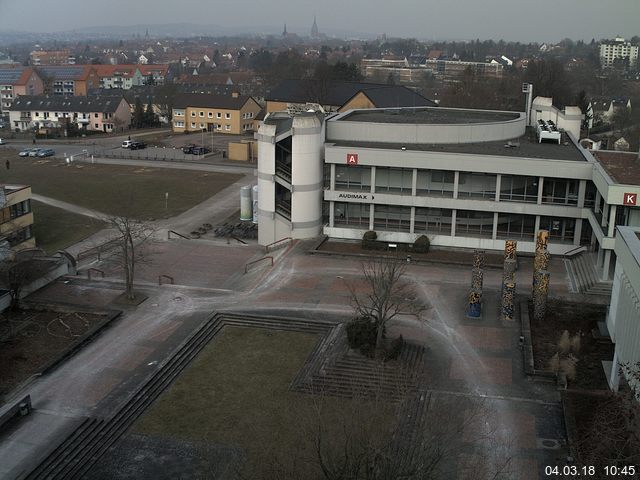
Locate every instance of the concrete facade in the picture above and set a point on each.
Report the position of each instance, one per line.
(465, 178)
(16, 217)
(623, 319)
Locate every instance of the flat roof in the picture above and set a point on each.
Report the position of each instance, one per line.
(526, 146)
(429, 115)
(622, 167)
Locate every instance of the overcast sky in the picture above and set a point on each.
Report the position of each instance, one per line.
(518, 20)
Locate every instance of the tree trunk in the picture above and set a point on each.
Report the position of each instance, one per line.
(380, 337)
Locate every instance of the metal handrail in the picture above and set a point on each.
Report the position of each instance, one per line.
(247, 265)
(273, 244)
(176, 233)
(94, 270)
(573, 251)
(168, 277)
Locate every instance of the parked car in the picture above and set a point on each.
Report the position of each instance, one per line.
(46, 152)
(127, 143)
(25, 152)
(200, 150)
(2, 142)
(137, 145)
(34, 152)
(188, 148)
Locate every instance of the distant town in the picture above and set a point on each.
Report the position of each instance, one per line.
(298, 256)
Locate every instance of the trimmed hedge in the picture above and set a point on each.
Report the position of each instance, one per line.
(422, 244)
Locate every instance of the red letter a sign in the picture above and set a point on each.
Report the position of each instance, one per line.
(352, 158)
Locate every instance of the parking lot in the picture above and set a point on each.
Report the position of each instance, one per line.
(161, 145)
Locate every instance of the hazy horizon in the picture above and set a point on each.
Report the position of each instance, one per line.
(509, 20)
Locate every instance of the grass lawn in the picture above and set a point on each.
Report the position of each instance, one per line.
(56, 229)
(236, 393)
(116, 189)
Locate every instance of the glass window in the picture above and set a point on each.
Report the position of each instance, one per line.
(477, 185)
(470, 223)
(560, 229)
(391, 217)
(394, 180)
(351, 214)
(353, 177)
(560, 191)
(516, 226)
(433, 220)
(518, 188)
(435, 183)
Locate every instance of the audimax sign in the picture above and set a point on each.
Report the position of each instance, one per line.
(356, 196)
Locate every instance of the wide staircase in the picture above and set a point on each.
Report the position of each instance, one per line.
(584, 276)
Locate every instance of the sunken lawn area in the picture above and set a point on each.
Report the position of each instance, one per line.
(56, 229)
(236, 393)
(138, 192)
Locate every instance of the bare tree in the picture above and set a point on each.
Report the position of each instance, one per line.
(130, 235)
(373, 438)
(388, 296)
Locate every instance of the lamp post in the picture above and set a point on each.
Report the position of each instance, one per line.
(202, 137)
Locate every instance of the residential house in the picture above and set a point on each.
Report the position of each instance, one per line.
(127, 76)
(16, 217)
(194, 112)
(15, 81)
(603, 109)
(300, 95)
(102, 114)
(52, 57)
(68, 80)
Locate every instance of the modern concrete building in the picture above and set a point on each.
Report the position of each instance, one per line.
(623, 320)
(465, 178)
(16, 218)
(618, 49)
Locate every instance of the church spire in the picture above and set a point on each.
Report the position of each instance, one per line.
(314, 28)
(284, 32)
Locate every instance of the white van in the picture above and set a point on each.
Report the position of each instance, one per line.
(127, 143)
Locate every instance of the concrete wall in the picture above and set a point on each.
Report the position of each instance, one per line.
(398, 133)
(623, 319)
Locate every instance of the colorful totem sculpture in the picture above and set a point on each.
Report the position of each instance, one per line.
(475, 304)
(540, 294)
(508, 279)
(478, 259)
(508, 298)
(477, 276)
(542, 240)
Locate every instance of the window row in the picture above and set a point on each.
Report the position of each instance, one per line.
(441, 183)
(469, 223)
(227, 115)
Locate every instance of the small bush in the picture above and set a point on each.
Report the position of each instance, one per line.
(394, 349)
(422, 244)
(370, 235)
(361, 335)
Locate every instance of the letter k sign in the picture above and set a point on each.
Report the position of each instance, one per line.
(630, 199)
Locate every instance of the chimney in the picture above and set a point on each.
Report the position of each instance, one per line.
(235, 95)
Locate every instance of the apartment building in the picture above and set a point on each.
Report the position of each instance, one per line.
(15, 81)
(618, 49)
(16, 217)
(103, 114)
(194, 112)
(52, 57)
(68, 80)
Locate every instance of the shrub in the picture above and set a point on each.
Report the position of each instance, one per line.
(369, 241)
(361, 335)
(395, 347)
(422, 244)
